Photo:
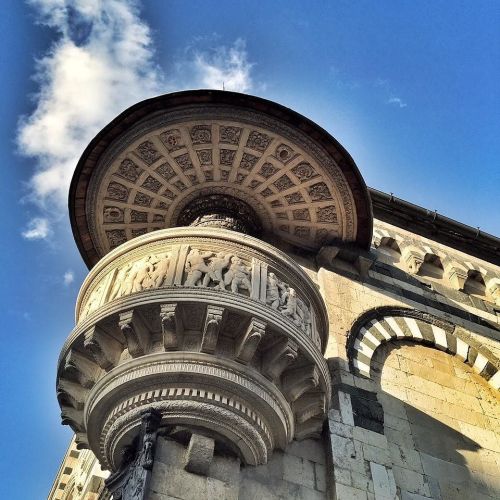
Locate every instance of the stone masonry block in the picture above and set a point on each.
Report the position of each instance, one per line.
(298, 470)
(383, 482)
(376, 454)
(342, 476)
(411, 481)
(370, 437)
(405, 457)
(348, 493)
(340, 429)
(199, 454)
(226, 469)
(346, 408)
(361, 481)
(320, 477)
(169, 452)
(311, 449)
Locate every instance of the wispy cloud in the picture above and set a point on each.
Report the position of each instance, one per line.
(38, 229)
(397, 101)
(218, 67)
(343, 81)
(391, 99)
(102, 62)
(68, 278)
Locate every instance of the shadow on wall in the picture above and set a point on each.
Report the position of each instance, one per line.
(440, 452)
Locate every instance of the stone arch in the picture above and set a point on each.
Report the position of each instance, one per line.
(384, 324)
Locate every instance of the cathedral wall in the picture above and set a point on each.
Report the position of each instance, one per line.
(298, 473)
(413, 354)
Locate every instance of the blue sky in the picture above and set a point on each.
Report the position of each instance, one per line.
(410, 88)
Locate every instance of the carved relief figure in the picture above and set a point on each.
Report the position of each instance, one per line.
(94, 300)
(238, 275)
(119, 283)
(305, 316)
(291, 308)
(196, 267)
(216, 267)
(138, 277)
(274, 291)
(161, 264)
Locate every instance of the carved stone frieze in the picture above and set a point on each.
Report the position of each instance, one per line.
(204, 267)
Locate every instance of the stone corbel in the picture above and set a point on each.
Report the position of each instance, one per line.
(309, 429)
(297, 381)
(104, 348)
(308, 406)
(171, 326)
(278, 357)
(73, 418)
(81, 441)
(413, 259)
(363, 264)
(78, 367)
(493, 288)
(334, 257)
(456, 276)
(136, 333)
(72, 393)
(213, 322)
(327, 255)
(199, 454)
(248, 344)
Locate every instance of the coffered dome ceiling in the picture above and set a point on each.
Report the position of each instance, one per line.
(149, 167)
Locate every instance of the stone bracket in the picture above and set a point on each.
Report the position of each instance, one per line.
(171, 326)
(308, 406)
(104, 348)
(72, 417)
(71, 392)
(135, 332)
(297, 381)
(330, 256)
(77, 367)
(199, 454)
(278, 357)
(413, 260)
(213, 321)
(250, 341)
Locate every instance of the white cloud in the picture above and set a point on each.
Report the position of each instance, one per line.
(101, 63)
(68, 278)
(397, 101)
(218, 67)
(38, 229)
